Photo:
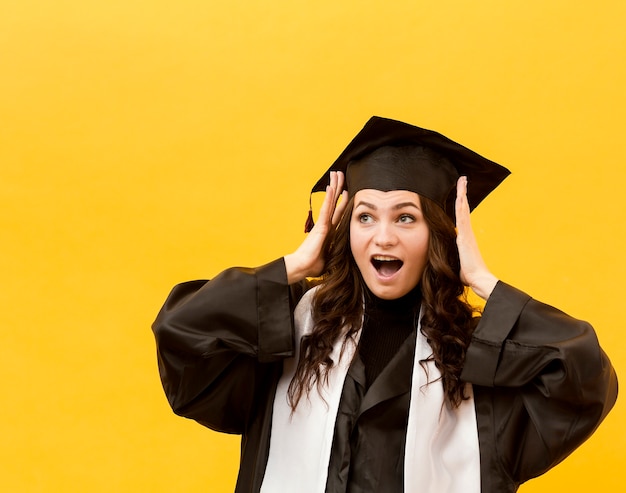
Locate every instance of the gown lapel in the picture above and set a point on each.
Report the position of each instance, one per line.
(395, 379)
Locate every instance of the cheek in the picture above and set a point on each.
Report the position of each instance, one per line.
(424, 247)
(356, 241)
(358, 247)
(420, 247)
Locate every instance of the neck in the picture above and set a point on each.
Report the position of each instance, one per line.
(409, 301)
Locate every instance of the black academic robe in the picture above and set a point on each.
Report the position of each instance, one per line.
(367, 418)
(542, 384)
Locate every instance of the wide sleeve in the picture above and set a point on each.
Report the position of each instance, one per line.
(546, 381)
(219, 342)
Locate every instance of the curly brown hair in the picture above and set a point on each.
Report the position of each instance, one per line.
(447, 318)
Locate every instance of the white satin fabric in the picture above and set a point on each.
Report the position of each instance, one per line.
(441, 456)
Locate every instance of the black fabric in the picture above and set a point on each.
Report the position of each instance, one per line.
(483, 174)
(385, 352)
(414, 168)
(356, 462)
(549, 388)
(552, 386)
(386, 325)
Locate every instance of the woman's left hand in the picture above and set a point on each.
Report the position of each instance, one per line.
(474, 271)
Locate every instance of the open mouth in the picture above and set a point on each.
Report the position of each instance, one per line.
(386, 266)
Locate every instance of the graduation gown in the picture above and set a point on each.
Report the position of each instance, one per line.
(541, 382)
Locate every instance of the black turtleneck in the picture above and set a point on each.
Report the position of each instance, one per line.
(386, 325)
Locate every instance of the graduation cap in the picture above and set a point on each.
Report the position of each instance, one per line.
(392, 155)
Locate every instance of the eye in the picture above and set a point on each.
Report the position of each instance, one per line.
(406, 219)
(365, 218)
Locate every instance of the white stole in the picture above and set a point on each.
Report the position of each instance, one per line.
(441, 455)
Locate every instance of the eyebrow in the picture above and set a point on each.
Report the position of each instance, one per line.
(401, 205)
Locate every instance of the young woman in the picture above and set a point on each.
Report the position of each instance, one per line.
(379, 377)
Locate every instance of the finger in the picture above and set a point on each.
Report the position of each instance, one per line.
(461, 203)
(337, 181)
(340, 208)
(341, 179)
(334, 192)
(333, 179)
(328, 206)
(338, 196)
(461, 190)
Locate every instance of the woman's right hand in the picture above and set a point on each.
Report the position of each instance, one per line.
(308, 260)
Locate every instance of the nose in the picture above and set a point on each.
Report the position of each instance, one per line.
(385, 236)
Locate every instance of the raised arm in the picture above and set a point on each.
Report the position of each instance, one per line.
(220, 342)
(308, 260)
(539, 374)
(474, 271)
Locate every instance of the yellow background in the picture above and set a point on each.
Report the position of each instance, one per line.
(145, 142)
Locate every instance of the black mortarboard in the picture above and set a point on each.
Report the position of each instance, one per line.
(392, 155)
